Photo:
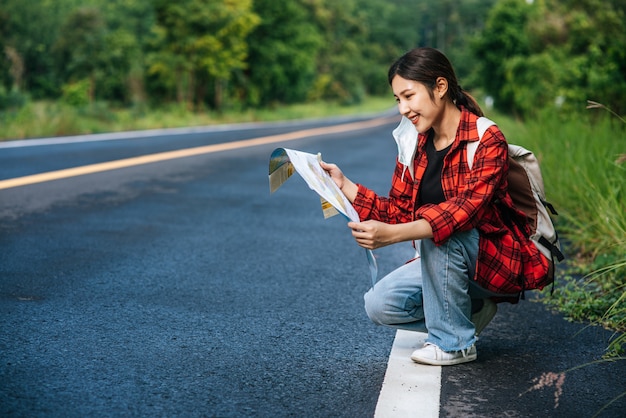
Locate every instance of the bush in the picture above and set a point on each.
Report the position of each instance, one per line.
(11, 99)
(77, 93)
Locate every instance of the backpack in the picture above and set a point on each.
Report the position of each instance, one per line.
(527, 192)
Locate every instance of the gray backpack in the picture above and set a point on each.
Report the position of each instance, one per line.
(527, 191)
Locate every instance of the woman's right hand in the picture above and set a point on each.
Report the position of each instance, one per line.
(348, 188)
(335, 173)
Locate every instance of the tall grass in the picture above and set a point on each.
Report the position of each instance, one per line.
(582, 160)
(46, 119)
(584, 170)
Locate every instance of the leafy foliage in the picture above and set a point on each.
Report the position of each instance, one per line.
(283, 51)
(80, 47)
(224, 53)
(554, 52)
(201, 41)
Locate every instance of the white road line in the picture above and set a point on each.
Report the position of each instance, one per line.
(409, 389)
(148, 133)
(114, 136)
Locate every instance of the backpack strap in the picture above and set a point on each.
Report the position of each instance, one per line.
(482, 124)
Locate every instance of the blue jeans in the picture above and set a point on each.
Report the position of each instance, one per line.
(432, 293)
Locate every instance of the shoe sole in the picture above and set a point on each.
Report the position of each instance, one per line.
(452, 362)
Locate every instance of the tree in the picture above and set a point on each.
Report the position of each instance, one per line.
(80, 47)
(395, 26)
(283, 51)
(551, 52)
(130, 25)
(503, 38)
(595, 38)
(29, 30)
(340, 60)
(389, 30)
(202, 41)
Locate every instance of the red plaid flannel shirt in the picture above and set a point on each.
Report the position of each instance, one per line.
(506, 256)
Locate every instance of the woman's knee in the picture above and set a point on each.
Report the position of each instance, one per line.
(395, 296)
(375, 307)
(391, 306)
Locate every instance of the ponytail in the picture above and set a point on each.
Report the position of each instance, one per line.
(466, 100)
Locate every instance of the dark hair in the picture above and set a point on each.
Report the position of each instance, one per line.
(426, 65)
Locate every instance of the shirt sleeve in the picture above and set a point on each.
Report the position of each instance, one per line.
(467, 202)
(397, 208)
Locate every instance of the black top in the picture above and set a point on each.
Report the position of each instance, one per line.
(431, 190)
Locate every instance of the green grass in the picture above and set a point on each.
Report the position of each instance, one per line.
(45, 119)
(582, 161)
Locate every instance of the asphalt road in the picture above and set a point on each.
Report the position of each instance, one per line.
(183, 288)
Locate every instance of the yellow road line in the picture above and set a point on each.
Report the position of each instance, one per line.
(170, 155)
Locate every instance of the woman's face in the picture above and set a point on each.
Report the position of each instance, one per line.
(414, 102)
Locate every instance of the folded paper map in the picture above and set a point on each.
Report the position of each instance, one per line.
(283, 163)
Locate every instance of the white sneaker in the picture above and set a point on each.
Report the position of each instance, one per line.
(435, 356)
(482, 318)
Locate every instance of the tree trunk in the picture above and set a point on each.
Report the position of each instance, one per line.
(191, 93)
(92, 87)
(180, 95)
(219, 93)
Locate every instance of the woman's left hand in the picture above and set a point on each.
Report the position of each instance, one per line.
(372, 234)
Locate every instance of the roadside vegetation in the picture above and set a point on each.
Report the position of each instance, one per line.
(87, 66)
(583, 162)
(46, 119)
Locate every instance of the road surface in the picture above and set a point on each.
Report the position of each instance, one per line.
(181, 287)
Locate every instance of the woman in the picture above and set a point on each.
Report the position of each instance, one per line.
(453, 214)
